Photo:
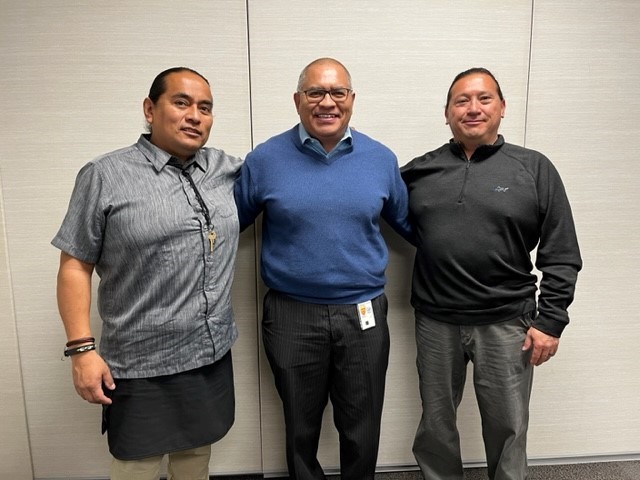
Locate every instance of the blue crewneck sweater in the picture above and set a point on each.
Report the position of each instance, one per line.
(321, 240)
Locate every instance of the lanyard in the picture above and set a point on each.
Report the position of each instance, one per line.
(211, 235)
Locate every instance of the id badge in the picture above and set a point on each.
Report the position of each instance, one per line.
(365, 314)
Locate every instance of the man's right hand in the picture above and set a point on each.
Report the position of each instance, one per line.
(90, 372)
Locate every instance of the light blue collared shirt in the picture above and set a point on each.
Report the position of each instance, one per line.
(314, 145)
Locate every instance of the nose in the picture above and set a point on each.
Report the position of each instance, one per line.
(327, 100)
(193, 114)
(474, 105)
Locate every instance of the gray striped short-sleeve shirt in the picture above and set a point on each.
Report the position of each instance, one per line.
(163, 295)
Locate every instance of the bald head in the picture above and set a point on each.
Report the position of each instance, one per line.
(325, 61)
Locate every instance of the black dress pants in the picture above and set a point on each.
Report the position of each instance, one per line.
(319, 352)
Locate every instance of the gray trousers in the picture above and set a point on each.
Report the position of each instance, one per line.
(502, 378)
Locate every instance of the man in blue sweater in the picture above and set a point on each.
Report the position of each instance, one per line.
(480, 206)
(322, 189)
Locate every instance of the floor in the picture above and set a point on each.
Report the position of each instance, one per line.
(584, 471)
(628, 470)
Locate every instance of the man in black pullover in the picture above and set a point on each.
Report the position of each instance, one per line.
(479, 207)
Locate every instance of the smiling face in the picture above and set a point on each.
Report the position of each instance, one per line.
(181, 118)
(474, 111)
(326, 120)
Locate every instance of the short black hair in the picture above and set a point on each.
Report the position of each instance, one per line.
(473, 71)
(159, 85)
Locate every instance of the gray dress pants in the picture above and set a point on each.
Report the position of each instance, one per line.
(502, 379)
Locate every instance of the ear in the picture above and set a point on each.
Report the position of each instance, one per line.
(147, 109)
(296, 100)
(503, 108)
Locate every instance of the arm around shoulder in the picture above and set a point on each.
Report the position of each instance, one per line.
(246, 196)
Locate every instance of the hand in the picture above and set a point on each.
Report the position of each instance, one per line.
(90, 372)
(544, 346)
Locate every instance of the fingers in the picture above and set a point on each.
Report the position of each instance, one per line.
(544, 346)
(100, 397)
(540, 354)
(107, 380)
(94, 394)
(90, 372)
(538, 358)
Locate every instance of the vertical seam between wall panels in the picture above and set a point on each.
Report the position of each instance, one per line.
(255, 247)
(526, 98)
(12, 308)
(246, 6)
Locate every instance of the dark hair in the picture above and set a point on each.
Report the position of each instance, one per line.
(159, 85)
(473, 71)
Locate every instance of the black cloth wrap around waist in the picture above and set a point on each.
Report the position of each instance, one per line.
(159, 415)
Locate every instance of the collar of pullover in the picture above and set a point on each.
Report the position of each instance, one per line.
(481, 153)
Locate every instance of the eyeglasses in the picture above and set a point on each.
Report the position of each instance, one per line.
(316, 95)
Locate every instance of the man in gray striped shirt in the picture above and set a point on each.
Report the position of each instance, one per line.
(157, 222)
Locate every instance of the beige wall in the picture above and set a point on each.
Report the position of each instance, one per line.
(74, 75)
(582, 113)
(73, 78)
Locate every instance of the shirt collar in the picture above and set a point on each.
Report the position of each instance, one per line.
(482, 152)
(312, 143)
(159, 158)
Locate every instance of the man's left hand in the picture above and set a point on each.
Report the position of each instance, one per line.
(542, 346)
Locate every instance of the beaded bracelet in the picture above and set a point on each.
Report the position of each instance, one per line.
(78, 341)
(74, 351)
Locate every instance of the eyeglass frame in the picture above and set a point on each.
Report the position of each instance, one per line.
(325, 92)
